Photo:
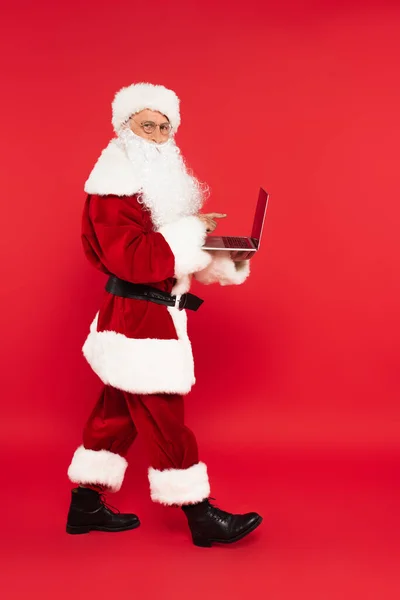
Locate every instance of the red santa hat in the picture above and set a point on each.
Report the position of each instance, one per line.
(134, 98)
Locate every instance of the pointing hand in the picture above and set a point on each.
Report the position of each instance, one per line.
(210, 220)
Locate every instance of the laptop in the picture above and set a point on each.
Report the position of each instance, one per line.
(239, 244)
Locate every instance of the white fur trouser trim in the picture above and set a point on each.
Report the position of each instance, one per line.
(179, 486)
(99, 467)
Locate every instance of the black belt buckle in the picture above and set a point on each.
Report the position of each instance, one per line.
(182, 302)
(189, 301)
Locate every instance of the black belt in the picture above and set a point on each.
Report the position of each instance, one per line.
(137, 291)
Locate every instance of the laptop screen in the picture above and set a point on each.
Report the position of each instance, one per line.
(259, 216)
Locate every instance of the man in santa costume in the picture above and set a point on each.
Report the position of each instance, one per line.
(142, 227)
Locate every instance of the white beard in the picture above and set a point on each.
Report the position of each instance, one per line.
(166, 187)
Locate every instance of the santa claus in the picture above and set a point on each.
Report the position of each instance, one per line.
(142, 226)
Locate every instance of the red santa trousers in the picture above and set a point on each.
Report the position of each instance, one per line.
(175, 475)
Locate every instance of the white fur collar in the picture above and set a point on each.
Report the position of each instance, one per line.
(112, 174)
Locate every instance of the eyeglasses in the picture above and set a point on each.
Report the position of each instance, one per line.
(150, 127)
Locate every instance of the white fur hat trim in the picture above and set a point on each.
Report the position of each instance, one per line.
(134, 98)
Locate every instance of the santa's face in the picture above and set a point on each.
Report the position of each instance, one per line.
(151, 125)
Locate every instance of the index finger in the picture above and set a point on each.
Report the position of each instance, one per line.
(216, 215)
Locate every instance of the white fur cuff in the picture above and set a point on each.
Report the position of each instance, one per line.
(97, 467)
(186, 238)
(179, 486)
(224, 270)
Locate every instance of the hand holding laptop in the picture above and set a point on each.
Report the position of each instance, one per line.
(239, 255)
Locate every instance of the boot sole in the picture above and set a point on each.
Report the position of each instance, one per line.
(79, 529)
(207, 543)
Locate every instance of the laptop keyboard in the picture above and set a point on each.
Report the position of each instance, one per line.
(236, 242)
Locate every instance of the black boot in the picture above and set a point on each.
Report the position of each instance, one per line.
(88, 512)
(210, 524)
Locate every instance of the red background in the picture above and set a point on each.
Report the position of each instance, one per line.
(296, 407)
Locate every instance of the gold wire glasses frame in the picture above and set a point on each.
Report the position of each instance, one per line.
(150, 126)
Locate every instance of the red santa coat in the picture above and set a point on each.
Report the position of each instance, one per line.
(135, 345)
